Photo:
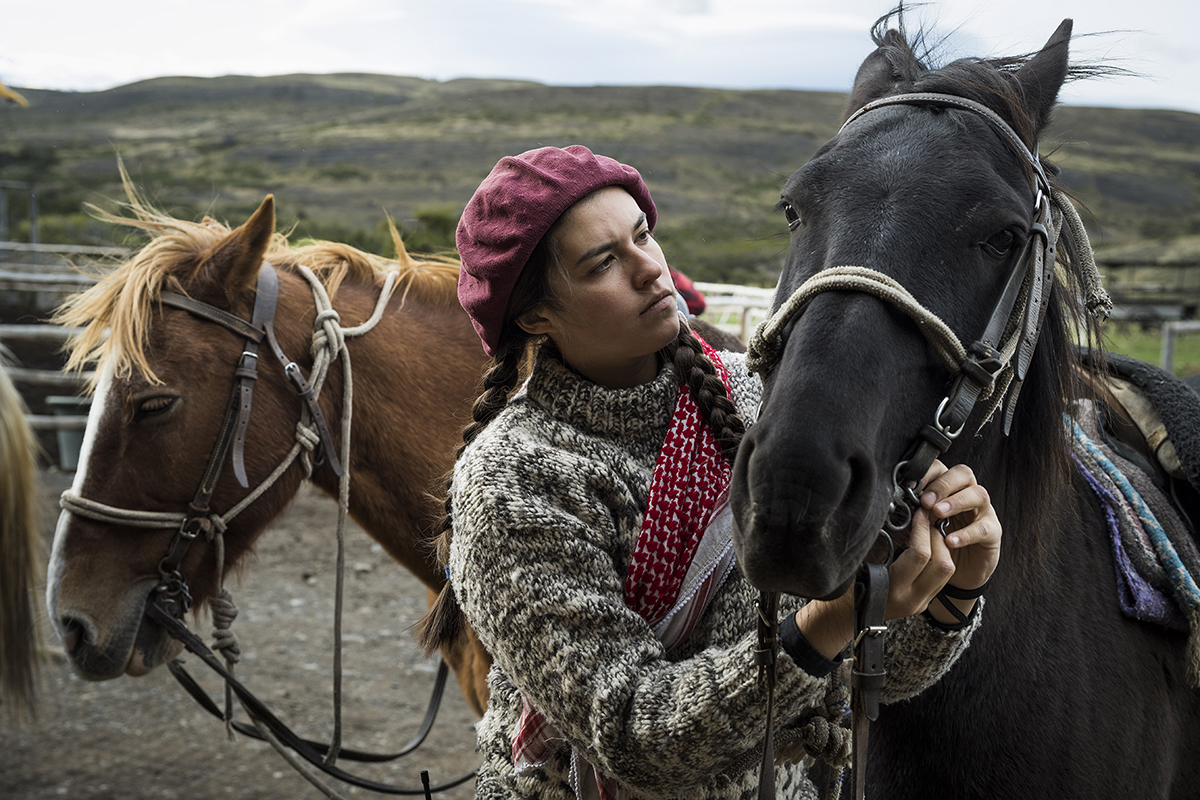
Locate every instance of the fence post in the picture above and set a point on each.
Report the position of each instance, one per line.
(33, 215)
(1166, 358)
(1171, 331)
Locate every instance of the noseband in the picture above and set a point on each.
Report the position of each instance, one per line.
(991, 369)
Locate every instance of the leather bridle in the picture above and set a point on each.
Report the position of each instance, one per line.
(171, 598)
(991, 369)
(172, 592)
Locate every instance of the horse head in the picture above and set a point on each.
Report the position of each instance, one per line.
(939, 199)
(165, 379)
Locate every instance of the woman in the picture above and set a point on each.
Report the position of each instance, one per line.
(588, 540)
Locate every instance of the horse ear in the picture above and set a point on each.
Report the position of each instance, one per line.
(1042, 76)
(233, 263)
(883, 71)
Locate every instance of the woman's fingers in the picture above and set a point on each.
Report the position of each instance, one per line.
(968, 553)
(942, 484)
(983, 530)
(920, 572)
(956, 496)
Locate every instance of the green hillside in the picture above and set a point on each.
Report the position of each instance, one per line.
(340, 152)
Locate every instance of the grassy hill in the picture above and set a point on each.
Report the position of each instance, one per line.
(341, 151)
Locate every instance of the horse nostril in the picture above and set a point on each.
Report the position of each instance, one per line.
(72, 635)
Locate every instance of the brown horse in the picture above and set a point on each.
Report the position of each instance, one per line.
(164, 378)
(19, 548)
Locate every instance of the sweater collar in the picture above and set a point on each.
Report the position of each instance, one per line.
(634, 414)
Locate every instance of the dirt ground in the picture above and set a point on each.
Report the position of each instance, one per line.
(134, 738)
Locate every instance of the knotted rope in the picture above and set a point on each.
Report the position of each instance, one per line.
(225, 641)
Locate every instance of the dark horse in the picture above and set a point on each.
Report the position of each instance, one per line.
(1059, 695)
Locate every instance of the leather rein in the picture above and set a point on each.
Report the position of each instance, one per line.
(991, 369)
(171, 598)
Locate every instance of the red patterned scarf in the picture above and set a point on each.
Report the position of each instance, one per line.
(680, 507)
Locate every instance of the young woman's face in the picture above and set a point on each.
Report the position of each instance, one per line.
(618, 302)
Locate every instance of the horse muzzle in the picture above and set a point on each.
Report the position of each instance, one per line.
(799, 527)
(124, 643)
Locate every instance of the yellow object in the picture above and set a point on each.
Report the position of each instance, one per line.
(9, 94)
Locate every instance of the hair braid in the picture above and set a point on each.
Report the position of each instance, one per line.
(697, 372)
(445, 622)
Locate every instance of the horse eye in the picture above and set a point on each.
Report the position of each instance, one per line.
(999, 244)
(791, 215)
(153, 406)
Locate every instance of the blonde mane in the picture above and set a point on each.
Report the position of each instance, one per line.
(20, 553)
(115, 313)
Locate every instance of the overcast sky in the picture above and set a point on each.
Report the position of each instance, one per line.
(800, 44)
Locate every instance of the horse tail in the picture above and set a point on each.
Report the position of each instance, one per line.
(20, 551)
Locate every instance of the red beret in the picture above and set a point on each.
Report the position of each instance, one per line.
(510, 213)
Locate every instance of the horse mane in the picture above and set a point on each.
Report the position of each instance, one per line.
(913, 57)
(20, 552)
(114, 315)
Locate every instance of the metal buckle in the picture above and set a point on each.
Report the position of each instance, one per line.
(191, 527)
(173, 594)
(941, 426)
(870, 630)
(904, 500)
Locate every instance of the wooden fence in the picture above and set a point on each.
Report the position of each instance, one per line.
(1170, 332)
(33, 279)
(737, 309)
(1151, 292)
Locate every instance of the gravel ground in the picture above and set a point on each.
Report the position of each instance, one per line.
(135, 738)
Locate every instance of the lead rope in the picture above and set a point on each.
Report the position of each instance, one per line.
(328, 328)
(329, 342)
(296, 763)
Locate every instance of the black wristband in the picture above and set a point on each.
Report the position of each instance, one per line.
(807, 657)
(965, 594)
(964, 620)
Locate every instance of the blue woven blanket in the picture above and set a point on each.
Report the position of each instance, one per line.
(1156, 558)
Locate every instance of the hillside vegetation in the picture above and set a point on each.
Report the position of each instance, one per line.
(341, 152)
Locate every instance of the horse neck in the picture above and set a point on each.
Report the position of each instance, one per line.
(414, 377)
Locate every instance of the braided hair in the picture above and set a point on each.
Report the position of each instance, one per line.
(445, 623)
(698, 373)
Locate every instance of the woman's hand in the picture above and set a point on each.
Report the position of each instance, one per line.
(974, 530)
(965, 558)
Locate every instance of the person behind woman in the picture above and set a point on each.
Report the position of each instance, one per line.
(588, 535)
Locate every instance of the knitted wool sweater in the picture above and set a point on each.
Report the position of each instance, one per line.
(548, 504)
